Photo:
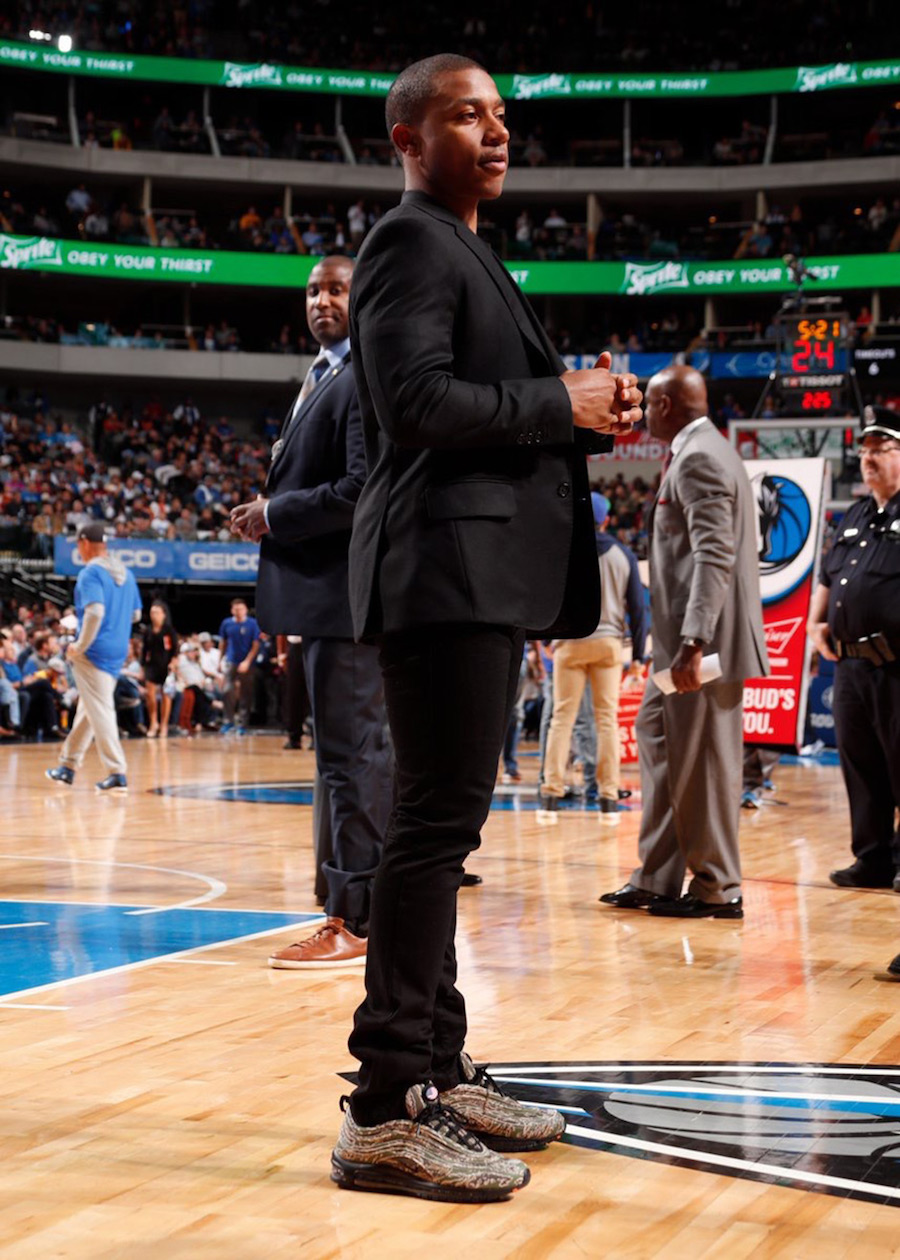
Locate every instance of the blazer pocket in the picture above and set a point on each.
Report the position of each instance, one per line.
(459, 500)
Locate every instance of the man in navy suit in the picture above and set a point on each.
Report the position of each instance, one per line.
(303, 525)
(475, 522)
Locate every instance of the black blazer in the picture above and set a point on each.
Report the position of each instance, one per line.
(477, 505)
(312, 487)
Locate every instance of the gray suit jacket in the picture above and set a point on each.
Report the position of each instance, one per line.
(704, 568)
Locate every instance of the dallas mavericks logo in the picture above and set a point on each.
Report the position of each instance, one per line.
(824, 1128)
(784, 534)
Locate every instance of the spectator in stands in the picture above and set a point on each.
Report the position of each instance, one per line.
(356, 221)
(313, 239)
(163, 128)
(96, 225)
(42, 674)
(249, 221)
(10, 686)
(196, 712)
(534, 153)
(43, 224)
(160, 645)
(127, 226)
(78, 202)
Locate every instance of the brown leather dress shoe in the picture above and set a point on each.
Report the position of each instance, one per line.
(331, 945)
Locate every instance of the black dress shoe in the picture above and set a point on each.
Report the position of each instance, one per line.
(688, 907)
(859, 876)
(630, 897)
(470, 880)
(894, 967)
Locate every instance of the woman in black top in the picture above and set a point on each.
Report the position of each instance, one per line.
(160, 645)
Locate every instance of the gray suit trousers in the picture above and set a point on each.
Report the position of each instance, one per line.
(690, 753)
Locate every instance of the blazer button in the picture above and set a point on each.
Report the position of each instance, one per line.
(563, 489)
(521, 439)
(539, 435)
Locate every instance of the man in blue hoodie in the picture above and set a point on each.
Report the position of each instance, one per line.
(107, 603)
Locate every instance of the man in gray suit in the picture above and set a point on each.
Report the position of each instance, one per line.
(704, 599)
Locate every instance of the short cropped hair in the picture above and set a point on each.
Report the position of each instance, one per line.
(414, 87)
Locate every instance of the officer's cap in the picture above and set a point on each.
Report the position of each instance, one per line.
(881, 420)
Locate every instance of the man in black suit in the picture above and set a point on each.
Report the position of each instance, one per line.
(303, 523)
(475, 522)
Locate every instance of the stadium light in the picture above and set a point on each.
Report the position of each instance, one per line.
(64, 43)
(40, 35)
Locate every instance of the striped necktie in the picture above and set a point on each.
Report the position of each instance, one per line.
(312, 378)
(310, 381)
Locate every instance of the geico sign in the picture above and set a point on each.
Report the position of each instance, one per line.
(136, 558)
(222, 562)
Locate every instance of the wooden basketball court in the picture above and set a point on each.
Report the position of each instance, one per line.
(171, 1096)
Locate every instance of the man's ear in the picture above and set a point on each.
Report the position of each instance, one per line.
(405, 139)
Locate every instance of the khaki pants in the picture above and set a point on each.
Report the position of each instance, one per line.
(576, 661)
(95, 718)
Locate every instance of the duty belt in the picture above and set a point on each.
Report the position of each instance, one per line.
(875, 648)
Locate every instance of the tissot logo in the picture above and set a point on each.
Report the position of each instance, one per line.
(819, 1127)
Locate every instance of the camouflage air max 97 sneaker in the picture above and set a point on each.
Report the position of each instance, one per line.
(501, 1122)
(430, 1156)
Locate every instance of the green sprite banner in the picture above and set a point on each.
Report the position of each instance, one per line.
(637, 279)
(842, 74)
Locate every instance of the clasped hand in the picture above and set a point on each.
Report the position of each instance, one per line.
(248, 520)
(604, 401)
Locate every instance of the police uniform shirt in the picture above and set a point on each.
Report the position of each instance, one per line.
(862, 572)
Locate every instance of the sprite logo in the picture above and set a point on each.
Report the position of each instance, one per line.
(250, 76)
(21, 253)
(813, 78)
(654, 277)
(527, 87)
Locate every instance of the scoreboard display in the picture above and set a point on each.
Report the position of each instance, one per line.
(813, 358)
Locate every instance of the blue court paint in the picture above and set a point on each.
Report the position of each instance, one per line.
(44, 942)
(511, 798)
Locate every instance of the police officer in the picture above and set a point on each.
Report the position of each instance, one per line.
(854, 619)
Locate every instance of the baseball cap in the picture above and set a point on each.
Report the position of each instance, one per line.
(204, 637)
(881, 420)
(94, 531)
(600, 504)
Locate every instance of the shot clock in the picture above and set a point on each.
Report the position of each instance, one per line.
(813, 358)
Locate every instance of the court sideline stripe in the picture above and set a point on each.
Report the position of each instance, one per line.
(149, 962)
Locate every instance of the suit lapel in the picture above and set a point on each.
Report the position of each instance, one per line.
(668, 473)
(521, 312)
(293, 422)
(524, 317)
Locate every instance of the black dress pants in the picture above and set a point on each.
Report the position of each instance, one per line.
(867, 727)
(353, 758)
(296, 698)
(449, 692)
